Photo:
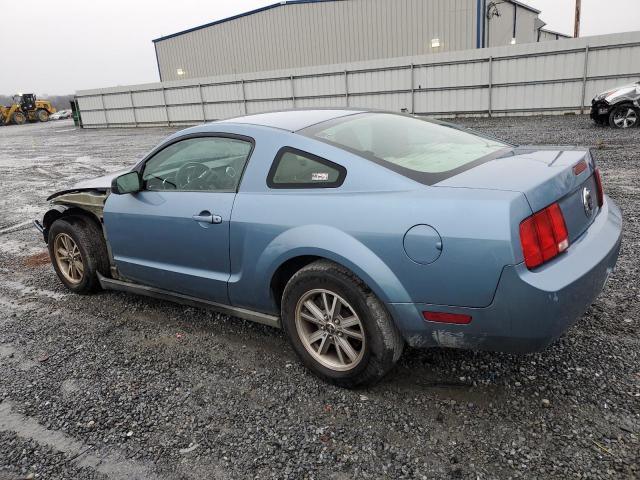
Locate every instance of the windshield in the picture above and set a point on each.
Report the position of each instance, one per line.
(421, 149)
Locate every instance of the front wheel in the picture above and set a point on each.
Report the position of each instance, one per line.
(78, 253)
(338, 327)
(623, 116)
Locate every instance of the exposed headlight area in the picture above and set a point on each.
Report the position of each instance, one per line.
(600, 107)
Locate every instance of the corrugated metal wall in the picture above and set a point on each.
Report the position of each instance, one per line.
(320, 33)
(560, 76)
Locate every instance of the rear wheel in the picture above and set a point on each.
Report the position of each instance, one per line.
(19, 118)
(43, 115)
(78, 252)
(338, 327)
(623, 116)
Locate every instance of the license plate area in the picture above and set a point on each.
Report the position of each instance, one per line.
(580, 208)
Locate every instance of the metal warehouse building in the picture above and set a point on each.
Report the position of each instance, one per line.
(302, 33)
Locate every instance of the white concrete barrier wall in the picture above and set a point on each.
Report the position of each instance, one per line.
(549, 77)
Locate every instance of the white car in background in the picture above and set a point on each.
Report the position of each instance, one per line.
(620, 107)
(60, 115)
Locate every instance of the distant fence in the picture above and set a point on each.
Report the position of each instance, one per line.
(548, 77)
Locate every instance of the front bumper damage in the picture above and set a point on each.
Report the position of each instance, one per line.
(600, 110)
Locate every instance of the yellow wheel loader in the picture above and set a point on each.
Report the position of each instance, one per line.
(26, 108)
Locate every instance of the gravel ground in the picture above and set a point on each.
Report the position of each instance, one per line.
(121, 387)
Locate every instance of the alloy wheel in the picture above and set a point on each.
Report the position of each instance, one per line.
(68, 258)
(625, 118)
(330, 329)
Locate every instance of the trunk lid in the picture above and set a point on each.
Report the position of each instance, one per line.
(544, 175)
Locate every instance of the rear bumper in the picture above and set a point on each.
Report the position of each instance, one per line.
(530, 309)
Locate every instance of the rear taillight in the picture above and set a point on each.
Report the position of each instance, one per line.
(543, 236)
(596, 176)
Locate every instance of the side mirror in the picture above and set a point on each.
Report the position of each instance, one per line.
(127, 183)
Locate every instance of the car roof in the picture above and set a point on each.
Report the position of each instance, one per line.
(292, 120)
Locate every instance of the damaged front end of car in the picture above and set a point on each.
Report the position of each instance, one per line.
(619, 107)
(68, 202)
(85, 198)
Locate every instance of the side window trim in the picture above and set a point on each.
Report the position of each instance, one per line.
(342, 171)
(141, 165)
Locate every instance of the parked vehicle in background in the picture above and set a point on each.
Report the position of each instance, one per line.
(61, 115)
(620, 107)
(357, 232)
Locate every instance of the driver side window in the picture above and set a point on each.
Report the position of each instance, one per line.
(209, 164)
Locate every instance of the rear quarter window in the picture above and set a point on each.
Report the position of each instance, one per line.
(293, 168)
(422, 150)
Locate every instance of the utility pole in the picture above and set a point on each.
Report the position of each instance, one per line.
(576, 29)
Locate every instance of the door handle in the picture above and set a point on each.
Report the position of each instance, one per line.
(206, 217)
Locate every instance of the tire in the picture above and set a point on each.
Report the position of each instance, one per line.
(19, 118)
(381, 344)
(624, 116)
(42, 115)
(90, 249)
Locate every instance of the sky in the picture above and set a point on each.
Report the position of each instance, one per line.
(71, 45)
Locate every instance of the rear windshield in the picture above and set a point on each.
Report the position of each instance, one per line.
(420, 149)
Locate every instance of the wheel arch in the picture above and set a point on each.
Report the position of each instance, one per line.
(623, 102)
(57, 212)
(285, 271)
(316, 242)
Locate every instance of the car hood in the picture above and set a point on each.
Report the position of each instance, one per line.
(98, 183)
(632, 91)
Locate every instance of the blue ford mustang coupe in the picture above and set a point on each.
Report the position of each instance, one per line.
(357, 232)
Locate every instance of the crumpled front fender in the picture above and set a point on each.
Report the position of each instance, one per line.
(63, 203)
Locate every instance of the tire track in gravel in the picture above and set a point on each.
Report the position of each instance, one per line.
(49, 174)
(15, 228)
(114, 466)
(24, 290)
